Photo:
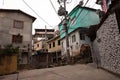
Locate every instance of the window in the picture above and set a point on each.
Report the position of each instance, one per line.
(43, 45)
(49, 45)
(53, 44)
(58, 42)
(118, 18)
(73, 38)
(1, 61)
(82, 36)
(37, 45)
(17, 39)
(18, 24)
(73, 21)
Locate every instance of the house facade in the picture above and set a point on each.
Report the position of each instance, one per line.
(40, 56)
(54, 49)
(40, 39)
(42, 34)
(106, 45)
(41, 45)
(16, 29)
(80, 19)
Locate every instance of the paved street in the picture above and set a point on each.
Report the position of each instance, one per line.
(69, 72)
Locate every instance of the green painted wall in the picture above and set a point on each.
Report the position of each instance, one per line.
(86, 18)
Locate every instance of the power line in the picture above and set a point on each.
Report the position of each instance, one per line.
(82, 9)
(81, 12)
(78, 22)
(75, 3)
(82, 19)
(54, 8)
(86, 14)
(69, 1)
(36, 13)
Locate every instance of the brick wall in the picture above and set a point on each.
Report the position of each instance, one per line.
(108, 42)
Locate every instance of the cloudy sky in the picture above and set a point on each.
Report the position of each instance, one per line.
(44, 9)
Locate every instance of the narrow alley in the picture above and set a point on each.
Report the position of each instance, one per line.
(69, 72)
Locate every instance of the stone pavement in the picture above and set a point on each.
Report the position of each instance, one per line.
(69, 72)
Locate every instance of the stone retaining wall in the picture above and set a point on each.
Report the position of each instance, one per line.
(108, 42)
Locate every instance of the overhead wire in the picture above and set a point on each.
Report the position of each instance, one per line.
(36, 13)
(86, 14)
(54, 8)
(76, 11)
(82, 19)
(75, 3)
(69, 2)
(81, 12)
(82, 9)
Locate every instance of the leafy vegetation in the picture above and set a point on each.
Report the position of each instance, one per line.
(9, 50)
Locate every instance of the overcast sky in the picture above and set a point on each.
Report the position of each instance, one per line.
(44, 9)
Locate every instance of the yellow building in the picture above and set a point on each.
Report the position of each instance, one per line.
(40, 46)
(54, 44)
(54, 48)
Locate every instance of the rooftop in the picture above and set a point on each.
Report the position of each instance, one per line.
(43, 30)
(17, 10)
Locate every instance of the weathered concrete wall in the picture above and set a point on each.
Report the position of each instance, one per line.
(95, 53)
(40, 61)
(7, 29)
(74, 47)
(108, 42)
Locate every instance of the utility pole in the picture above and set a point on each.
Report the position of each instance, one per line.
(45, 39)
(45, 47)
(62, 12)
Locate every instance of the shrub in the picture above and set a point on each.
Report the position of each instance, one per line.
(9, 49)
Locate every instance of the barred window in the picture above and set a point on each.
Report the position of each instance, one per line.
(73, 21)
(58, 42)
(37, 45)
(18, 24)
(17, 39)
(73, 38)
(82, 36)
(49, 45)
(53, 44)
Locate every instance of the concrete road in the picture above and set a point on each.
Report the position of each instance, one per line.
(69, 72)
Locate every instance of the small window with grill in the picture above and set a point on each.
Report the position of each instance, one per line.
(58, 42)
(18, 24)
(82, 36)
(17, 39)
(73, 38)
(53, 44)
(49, 45)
